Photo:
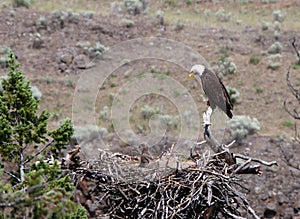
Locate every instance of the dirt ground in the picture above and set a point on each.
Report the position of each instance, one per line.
(47, 45)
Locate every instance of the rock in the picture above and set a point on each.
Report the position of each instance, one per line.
(81, 62)
(62, 67)
(289, 212)
(282, 199)
(127, 23)
(270, 210)
(83, 44)
(37, 41)
(297, 205)
(65, 56)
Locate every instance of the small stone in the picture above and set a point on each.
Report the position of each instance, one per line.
(257, 189)
(282, 199)
(289, 212)
(127, 23)
(81, 62)
(83, 44)
(62, 67)
(270, 210)
(65, 56)
(38, 42)
(297, 205)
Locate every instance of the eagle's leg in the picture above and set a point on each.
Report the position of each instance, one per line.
(206, 121)
(206, 131)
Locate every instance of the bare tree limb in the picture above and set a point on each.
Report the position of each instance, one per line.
(295, 48)
(256, 160)
(293, 90)
(12, 175)
(252, 212)
(294, 114)
(39, 152)
(297, 138)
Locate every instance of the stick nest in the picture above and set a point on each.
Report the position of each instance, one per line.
(209, 188)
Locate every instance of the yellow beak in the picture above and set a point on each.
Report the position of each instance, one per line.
(191, 75)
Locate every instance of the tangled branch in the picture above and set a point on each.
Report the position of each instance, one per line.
(295, 92)
(206, 191)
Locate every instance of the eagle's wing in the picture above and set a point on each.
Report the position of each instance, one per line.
(229, 105)
(228, 100)
(216, 92)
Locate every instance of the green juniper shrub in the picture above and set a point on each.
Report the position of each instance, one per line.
(34, 188)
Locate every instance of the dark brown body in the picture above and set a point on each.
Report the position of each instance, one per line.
(216, 92)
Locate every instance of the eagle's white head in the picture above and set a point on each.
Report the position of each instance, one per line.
(197, 70)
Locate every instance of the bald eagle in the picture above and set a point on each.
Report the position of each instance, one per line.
(213, 88)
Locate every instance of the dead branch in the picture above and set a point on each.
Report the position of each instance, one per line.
(255, 160)
(284, 154)
(295, 92)
(212, 142)
(295, 48)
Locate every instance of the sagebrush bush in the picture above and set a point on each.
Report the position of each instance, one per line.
(22, 3)
(207, 13)
(234, 95)
(42, 21)
(276, 35)
(278, 16)
(265, 25)
(179, 25)
(160, 17)
(169, 120)
(277, 25)
(134, 7)
(36, 92)
(223, 16)
(241, 126)
(1, 78)
(254, 59)
(274, 61)
(148, 112)
(104, 114)
(99, 47)
(4, 58)
(275, 48)
(95, 51)
(225, 66)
